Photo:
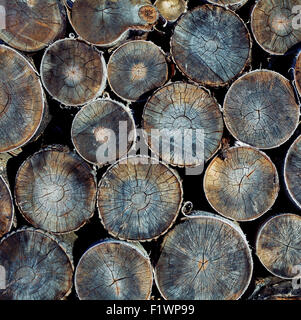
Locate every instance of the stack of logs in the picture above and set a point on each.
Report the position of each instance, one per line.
(122, 227)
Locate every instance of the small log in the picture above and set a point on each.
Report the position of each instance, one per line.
(114, 270)
(241, 184)
(36, 266)
(111, 20)
(171, 10)
(139, 198)
(22, 101)
(297, 73)
(55, 190)
(260, 109)
(272, 25)
(32, 25)
(73, 72)
(211, 45)
(205, 257)
(89, 127)
(6, 207)
(136, 68)
(231, 4)
(292, 171)
(180, 106)
(278, 245)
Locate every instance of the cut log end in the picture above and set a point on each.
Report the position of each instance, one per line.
(6, 208)
(171, 10)
(231, 4)
(297, 73)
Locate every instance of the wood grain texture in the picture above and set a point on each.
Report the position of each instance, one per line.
(180, 106)
(21, 100)
(271, 23)
(73, 72)
(139, 198)
(31, 25)
(37, 267)
(242, 184)
(204, 258)
(110, 20)
(55, 190)
(136, 68)
(211, 45)
(90, 123)
(292, 171)
(114, 270)
(6, 208)
(297, 73)
(171, 10)
(260, 109)
(278, 245)
(232, 4)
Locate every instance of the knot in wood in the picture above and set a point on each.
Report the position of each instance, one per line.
(138, 71)
(203, 264)
(140, 200)
(149, 14)
(211, 46)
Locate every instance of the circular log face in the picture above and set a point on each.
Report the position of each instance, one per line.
(135, 68)
(232, 4)
(21, 100)
(36, 267)
(242, 184)
(93, 125)
(297, 73)
(139, 199)
(211, 45)
(73, 72)
(171, 9)
(272, 25)
(112, 17)
(6, 208)
(278, 245)
(55, 191)
(204, 258)
(31, 25)
(260, 109)
(178, 107)
(114, 270)
(292, 171)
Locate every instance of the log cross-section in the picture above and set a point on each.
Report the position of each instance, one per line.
(6, 208)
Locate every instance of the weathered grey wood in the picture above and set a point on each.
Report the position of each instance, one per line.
(292, 171)
(110, 20)
(31, 25)
(171, 10)
(73, 72)
(297, 73)
(114, 270)
(272, 25)
(55, 190)
(139, 198)
(241, 184)
(232, 4)
(278, 245)
(135, 68)
(22, 103)
(89, 127)
(36, 267)
(204, 258)
(260, 109)
(6, 208)
(180, 106)
(211, 45)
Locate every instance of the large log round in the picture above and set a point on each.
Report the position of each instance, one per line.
(272, 24)
(175, 108)
(260, 109)
(171, 10)
(56, 190)
(232, 4)
(114, 270)
(241, 184)
(36, 267)
(6, 208)
(297, 73)
(211, 45)
(73, 72)
(139, 198)
(135, 68)
(110, 20)
(278, 245)
(292, 171)
(204, 258)
(92, 126)
(22, 104)
(31, 25)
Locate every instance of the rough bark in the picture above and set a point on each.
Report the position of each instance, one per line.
(6, 208)
(260, 109)
(171, 10)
